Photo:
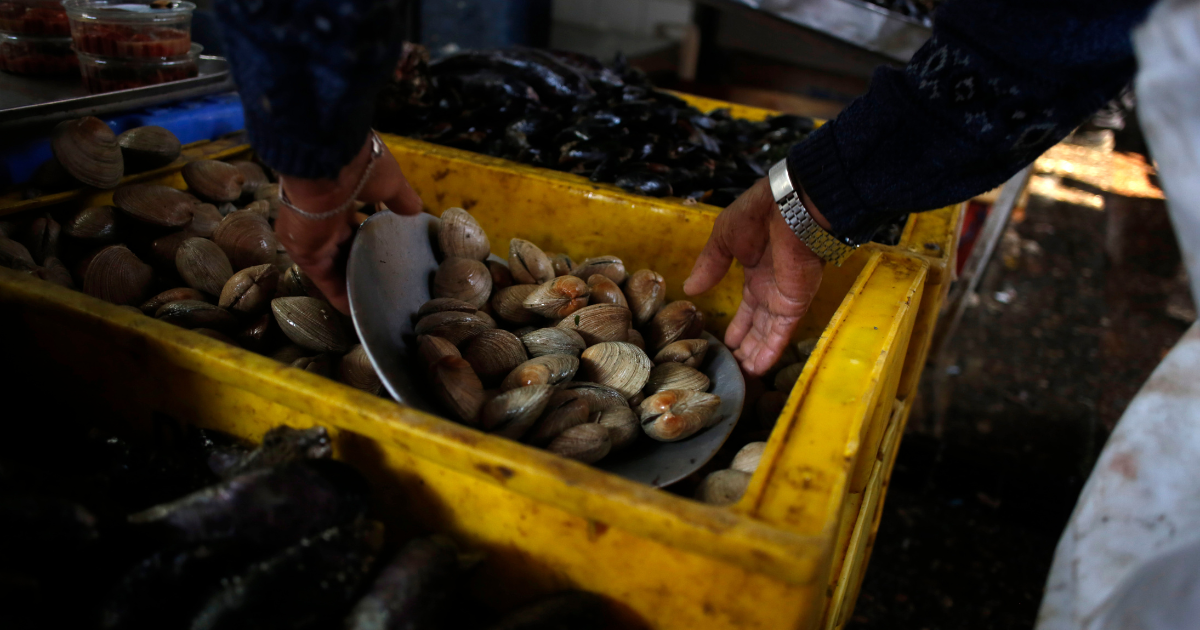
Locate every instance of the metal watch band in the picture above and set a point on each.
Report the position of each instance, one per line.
(377, 149)
(829, 247)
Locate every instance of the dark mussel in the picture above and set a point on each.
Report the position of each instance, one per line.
(645, 183)
(280, 445)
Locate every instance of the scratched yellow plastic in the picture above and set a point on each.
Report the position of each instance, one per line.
(548, 523)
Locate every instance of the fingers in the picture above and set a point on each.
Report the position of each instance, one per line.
(764, 343)
(742, 322)
(400, 196)
(712, 264)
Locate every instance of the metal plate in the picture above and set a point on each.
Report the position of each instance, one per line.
(390, 271)
(31, 100)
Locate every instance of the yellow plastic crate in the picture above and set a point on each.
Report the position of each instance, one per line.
(770, 561)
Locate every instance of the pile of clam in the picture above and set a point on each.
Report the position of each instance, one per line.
(205, 259)
(577, 358)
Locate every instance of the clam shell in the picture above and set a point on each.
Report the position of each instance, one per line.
(289, 353)
(605, 291)
(562, 264)
(270, 194)
(155, 204)
(545, 341)
(463, 279)
(214, 180)
(501, 276)
(512, 413)
(205, 219)
(622, 425)
(15, 255)
(250, 290)
(599, 397)
(41, 238)
(196, 314)
(164, 248)
(689, 352)
(768, 408)
(437, 305)
(203, 265)
(247, 239)
(88, 150)
(98, 223)
(608, 266)
(748, 457)
(551, 369)
(454, 326)
(294, 282)
(170, 295)
(320, 365)
(253, 176)
(355, 370)
(509, 304)
(434, 349)
(528, 263)
(616, 364)
(723, 487)
(149, 147)
(117, 275)
(675, 376)
(677, 414)
(678, 320)
(599, 323)
(634, 337)
(458, 387)
(565, 410)
(559, 297)
(262, 208)
(588, 443)
(646, 292)
(786, 378)
(311, 323)
(53, 270)
(493, 353)
(461, 236)
(260, 333)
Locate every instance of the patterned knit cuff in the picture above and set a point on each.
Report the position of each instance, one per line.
(815, 165)
(302, 155)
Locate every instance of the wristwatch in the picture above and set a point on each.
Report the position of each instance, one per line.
(829, 247)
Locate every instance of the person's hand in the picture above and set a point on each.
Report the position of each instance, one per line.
(782, 275)
(321, 246)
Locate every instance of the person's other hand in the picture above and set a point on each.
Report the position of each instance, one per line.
(781, 275)
(322, 246)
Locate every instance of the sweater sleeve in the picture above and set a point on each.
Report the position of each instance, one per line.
(308, 72)
(999, 82)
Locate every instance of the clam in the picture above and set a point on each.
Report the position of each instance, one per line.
(458, 387)
(543, 341)
(437, 305)
(461, 236)
(768, 408)
(294, 282)
(634, 337)
(599, 323)
(205, 219)
(528, 263)
(748, 457)
(564, 410)
(551, 369)
(270, 194)
(689, 352)
(148, 147)
(260, 333)
(723, 487)
(164, 248)
(196, 314)
(41, 238)
(616, 364)
(98, 223)
(261, 208)
(605, 291)
(253, 176)
(289, 353)
(675, 376)
(320, 365)
(463, 279)
(646, 292)
(283, 262)
(53, 270)
(155, 204)
(311, 323)
(622, 425)
(203, 265)
(678, 320)
(170, 295)
(509, 304)
(676, 414)
(247, 239)
(786, 378)
(608, 266)
(88, 150)
(454, 326)
(434, 349)
(588, 443)
(804, 349)
(559, 297)
(250, 290)
(493, 353)
(487, 319)
(562, 264)
(15, 255)
(215, 334)
(213, 180)
(512, 413)
(117, 275)
(355, 370)
(501, 276)
(599, 397)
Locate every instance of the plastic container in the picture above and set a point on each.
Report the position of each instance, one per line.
(113, 28)
(45, 18)
(37, 56)
(106, 74)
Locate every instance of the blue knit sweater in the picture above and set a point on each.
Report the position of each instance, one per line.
(999, 83)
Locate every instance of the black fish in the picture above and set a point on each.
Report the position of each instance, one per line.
(280, 445)
(413, 591)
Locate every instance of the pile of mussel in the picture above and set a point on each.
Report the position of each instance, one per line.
(202, 532)
(558, 354)
(570, 112)
(205, 259)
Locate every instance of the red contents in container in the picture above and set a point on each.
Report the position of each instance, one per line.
(36, 58)
(106, 79)
(111, 40)
(46, 19)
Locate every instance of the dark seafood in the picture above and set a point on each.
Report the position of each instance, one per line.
(413, 591)
(577, 610)
(280, 445)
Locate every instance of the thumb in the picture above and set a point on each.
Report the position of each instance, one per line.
(405, 200)
(711, 265)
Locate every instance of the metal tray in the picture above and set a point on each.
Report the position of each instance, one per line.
(29, 100)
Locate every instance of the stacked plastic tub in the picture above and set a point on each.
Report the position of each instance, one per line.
(124, 45)
(35, 39)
